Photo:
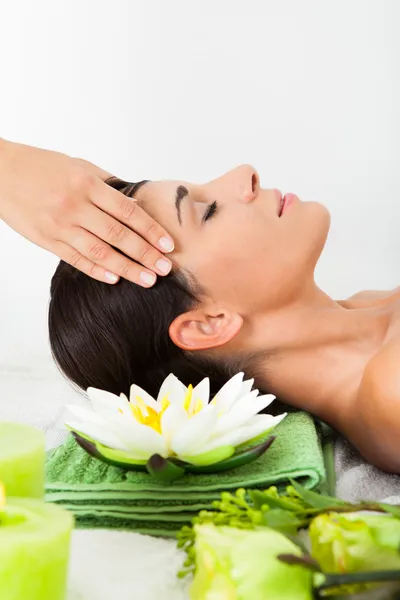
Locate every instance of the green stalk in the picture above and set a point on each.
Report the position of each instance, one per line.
(333, 580)
(329, 461)
(163, 469)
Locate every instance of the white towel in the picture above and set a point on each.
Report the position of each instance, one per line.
(357, 480)
(113, 564)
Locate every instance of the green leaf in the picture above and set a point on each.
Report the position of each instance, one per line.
(235, 461)
(260, 499)
(120, 457)
(208, 459)
(391, 509)
(316, 500)
(163, 469)
(299, 541)
(107, 455)
(281, 520)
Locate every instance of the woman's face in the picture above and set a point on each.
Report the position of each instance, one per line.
(229, 235)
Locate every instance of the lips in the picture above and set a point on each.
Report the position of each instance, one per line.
(286, 201)
(281, 204)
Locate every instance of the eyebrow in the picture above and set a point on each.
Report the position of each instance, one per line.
(181, 193)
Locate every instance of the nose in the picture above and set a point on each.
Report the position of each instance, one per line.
(245, 182)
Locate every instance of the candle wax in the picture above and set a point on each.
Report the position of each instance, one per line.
(34, 550)
(22, 458)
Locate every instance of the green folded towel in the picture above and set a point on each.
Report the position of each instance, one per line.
(100, 495)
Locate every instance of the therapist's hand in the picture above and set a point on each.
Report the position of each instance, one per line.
(63, 205)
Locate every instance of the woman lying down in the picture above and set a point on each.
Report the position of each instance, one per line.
(241, 297)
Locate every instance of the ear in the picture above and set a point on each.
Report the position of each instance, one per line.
(200, 329)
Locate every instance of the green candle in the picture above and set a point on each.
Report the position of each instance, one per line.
(34, 550)
(22, 458)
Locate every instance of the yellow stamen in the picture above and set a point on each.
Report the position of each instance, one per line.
(165, 403)
(188, 398)
(150, 417)
(198, 406)
(142, 405)
(137, 413)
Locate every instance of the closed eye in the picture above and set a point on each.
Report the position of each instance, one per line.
(210, 212)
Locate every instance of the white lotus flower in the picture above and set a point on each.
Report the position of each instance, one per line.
(182, 423)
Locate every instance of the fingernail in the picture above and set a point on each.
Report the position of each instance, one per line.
(164, 266)
(166, 244)
(147, 278)
(111, 277)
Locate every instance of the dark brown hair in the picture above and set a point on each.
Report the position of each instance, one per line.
(110, 336)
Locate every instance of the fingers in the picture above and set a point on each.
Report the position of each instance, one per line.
(74, 258)
(97, 259)
(125, 210)
(120, 236)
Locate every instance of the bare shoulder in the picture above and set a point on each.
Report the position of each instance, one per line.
(382, 373)
(376, 419)
(370, 298)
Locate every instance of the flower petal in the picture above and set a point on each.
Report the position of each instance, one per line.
(174, 418)
(115, 423)
(246, 387)
(103, 402)
(98, 433)
(200, 397)
(143, 441)
(196, 432)
(110, 422)
(137, 391)
(256, 426)
(244, 409)
(173, 389)
(227, 395)
(200, 392)
(124, 406)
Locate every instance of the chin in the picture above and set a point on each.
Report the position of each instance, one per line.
(315, 226)
(320, 229)
(324, 220)
(317, 217)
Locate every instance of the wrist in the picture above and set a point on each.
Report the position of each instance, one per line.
(7, 151)
(3, 145)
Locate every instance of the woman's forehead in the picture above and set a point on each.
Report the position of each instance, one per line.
(163, 190)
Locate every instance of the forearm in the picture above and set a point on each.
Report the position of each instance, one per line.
(6, 148)
(4, 151)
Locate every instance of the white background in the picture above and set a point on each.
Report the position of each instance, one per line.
(307, 91)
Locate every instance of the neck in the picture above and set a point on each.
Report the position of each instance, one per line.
(319, 351)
